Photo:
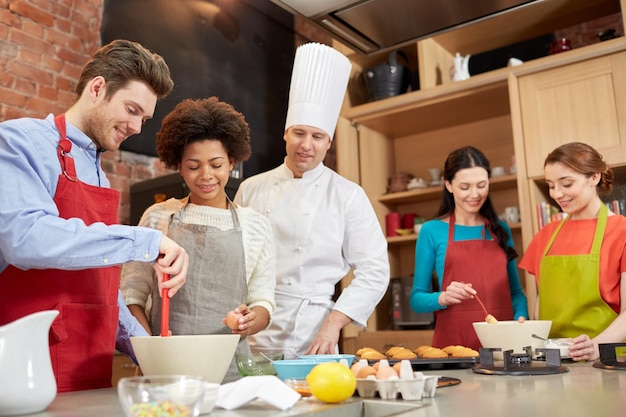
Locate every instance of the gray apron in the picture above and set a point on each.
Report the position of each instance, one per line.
(216, 281)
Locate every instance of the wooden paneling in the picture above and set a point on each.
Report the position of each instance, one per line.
(582, 102)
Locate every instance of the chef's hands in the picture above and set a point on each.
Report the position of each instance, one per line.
(583, 348)
(245, 321)
(456, 293)
(172, 260)
(327, 337)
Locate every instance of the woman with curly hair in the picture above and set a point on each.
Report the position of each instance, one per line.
(231, 250)
(471, 251)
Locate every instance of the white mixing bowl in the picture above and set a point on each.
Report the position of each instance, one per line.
(512, 335)
(208, 356)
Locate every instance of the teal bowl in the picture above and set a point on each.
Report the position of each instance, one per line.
(336, 357)
(294, 368)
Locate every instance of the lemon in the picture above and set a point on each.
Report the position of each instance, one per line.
(331, 382)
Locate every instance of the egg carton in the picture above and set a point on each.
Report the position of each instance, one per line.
(409, 385)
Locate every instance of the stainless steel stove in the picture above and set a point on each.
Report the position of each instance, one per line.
(520, 363)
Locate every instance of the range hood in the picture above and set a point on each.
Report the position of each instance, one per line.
(372, 26)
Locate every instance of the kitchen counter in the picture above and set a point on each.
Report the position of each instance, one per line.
(583, 391)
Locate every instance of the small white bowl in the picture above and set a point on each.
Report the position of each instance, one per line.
(562, 344)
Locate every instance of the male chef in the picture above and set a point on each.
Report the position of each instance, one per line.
(324, 225)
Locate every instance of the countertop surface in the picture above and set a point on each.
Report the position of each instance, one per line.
(583, 391)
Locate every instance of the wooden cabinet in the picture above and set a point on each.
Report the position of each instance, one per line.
(582, 101)
(512, 114)
(123, 367)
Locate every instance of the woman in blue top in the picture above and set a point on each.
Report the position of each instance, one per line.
(471, 251)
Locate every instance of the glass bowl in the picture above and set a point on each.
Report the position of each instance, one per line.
(179, 395)
(300, 386)
(257, 363)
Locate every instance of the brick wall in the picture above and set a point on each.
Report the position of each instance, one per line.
(44, 44)
(587, 33)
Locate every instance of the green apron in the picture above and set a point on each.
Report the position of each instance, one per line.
(569, 289)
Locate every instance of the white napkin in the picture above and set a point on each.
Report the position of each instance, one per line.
(268, 388)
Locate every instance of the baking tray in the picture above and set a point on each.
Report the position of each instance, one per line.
(421, 364)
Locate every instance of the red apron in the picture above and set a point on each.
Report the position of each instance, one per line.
(482, 263)
(82, 338)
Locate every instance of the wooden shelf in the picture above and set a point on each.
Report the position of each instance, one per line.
(399, 240)
(423, 194)
(480, 97)
(402, 240)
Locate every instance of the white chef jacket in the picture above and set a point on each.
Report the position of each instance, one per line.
(323, 225)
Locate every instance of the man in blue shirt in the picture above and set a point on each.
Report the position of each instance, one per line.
(60, 246)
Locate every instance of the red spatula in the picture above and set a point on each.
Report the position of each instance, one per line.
(488, 317)
(165, 309)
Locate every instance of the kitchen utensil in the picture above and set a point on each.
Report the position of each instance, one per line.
(497, 171)
(330, 357)
(446, 381)
(612, 356)
(393, 221)
(27, 383)
(512, 214)
(488, 317)
(387, 79)
(460, 68)
(562, 344)
(208, 356)
(257, 363)
(300, 386)
(165, 309)
(512, 334)
(519, 363)
(174, 395)
(272, 356)
(294, 368)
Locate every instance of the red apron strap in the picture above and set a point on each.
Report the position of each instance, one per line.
(64, 148)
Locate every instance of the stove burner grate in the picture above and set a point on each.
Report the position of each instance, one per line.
(519, 363)
(610, 355)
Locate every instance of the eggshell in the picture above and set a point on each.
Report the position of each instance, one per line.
(366, 371)
(355, 368)
(232, 320)
(396, 366)
(386, 372)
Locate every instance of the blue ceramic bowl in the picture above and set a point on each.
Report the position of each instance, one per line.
(294, 368)
(330, 357)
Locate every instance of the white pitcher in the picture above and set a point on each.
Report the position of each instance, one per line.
(27, 383)
(460, 70)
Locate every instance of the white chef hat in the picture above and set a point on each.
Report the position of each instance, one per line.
(318, 84)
